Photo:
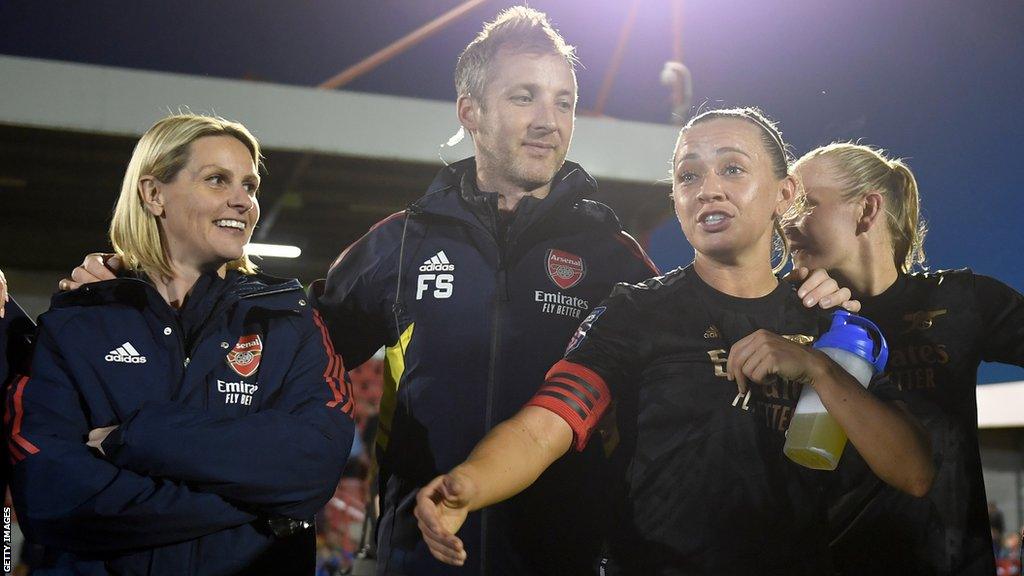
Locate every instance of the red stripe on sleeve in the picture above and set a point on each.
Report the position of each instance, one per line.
(16, 437)
(14, 452)
(629, 242)
(569, 398)
(334, 373)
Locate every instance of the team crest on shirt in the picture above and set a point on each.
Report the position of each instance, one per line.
(244, 358)
(922, 320)
(565, 269)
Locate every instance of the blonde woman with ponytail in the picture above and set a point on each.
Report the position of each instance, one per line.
(863, 225)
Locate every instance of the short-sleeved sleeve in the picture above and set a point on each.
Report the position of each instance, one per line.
(1002, 310)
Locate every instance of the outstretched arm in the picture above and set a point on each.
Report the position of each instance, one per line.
(507, 461)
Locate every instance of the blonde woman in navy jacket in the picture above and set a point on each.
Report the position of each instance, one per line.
(188, 417)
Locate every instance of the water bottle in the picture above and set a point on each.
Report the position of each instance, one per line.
(814, 438)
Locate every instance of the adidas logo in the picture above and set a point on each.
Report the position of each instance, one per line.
(125, 353)
(438, 263)
(711, 332)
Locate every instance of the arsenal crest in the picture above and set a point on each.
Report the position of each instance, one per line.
(565, 269)
(244, 358)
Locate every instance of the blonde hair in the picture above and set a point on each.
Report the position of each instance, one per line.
(520, 29)
(162, 152)
(779, 155)
(863, 169)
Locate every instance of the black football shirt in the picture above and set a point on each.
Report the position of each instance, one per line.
(939, 326)
(707, 489)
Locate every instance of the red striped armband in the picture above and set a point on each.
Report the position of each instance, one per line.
(577, 394)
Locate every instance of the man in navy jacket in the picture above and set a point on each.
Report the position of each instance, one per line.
(475, 290)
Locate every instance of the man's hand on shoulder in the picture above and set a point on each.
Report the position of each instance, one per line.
(96, 267)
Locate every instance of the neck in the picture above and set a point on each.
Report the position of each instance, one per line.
(869, 277)
(509, 194)
(870, 270)
(176, 288)
(743, 280)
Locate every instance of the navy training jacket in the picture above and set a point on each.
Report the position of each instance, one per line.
(243, 418)
(474, 311)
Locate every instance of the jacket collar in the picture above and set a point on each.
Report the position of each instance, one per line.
(453, 193)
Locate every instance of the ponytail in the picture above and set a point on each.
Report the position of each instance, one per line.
(908, 230)
(863, 169)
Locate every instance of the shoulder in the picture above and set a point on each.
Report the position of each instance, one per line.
(656, 292)
(384, 231)
(964, 278)
(955, 284)
(601, 221)
(54, 320)
(934, 278)
(74, 322)
(595, 212)
(382, 239)
(94, 305)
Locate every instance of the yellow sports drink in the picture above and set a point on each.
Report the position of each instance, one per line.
(815, 441)
(814, 438)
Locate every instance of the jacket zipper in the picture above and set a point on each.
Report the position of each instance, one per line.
(499, 299)
(501, 296)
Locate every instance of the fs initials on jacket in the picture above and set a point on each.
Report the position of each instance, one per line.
(229, 413)
(474, 307)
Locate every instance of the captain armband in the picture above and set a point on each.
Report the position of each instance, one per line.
(577, 394)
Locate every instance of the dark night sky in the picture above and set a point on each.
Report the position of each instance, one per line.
(935, 81)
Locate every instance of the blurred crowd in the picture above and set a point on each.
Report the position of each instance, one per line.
(342, 523)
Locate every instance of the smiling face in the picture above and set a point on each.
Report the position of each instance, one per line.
(208, 210)
(523, 123)
(725, 191)
(826, 236)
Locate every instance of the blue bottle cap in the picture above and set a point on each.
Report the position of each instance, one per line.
(853, 334)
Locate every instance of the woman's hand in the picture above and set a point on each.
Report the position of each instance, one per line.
(763, 354)
(820, 289)
(96, 267)
(441, 509)
(97, 436)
